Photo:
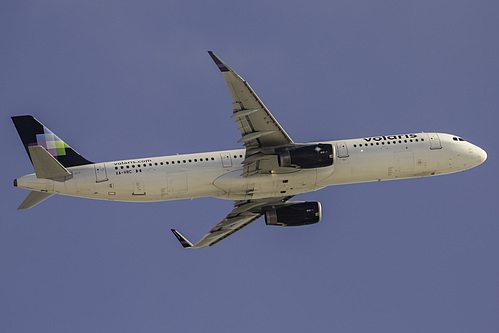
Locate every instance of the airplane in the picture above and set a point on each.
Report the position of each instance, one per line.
(261, 178)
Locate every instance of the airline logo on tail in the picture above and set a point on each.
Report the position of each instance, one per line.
(48, 140)
(34, 133)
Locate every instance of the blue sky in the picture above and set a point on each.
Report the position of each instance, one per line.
(127, 79)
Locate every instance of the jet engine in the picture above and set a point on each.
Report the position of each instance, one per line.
(294, 214)
(306, 157)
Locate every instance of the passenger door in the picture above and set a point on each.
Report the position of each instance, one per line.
(434, 141)
(100, 172)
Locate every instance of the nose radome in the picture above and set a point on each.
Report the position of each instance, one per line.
(482, 155)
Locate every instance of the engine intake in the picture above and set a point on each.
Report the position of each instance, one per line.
(295, 214)
(307, 157)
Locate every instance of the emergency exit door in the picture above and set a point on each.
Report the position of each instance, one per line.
(226, 160)
(342, 149)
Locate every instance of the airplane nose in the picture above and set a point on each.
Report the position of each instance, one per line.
(482, 155)
(476, 156)
(15, 182)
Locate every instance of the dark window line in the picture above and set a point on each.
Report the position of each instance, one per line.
(360, 145)
(201, 159)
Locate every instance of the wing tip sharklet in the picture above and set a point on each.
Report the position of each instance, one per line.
(220, 64)
(183, 241)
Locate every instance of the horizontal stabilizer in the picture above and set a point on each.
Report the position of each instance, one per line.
(34, 198)
(45, 165)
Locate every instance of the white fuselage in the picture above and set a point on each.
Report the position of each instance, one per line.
(219, 173)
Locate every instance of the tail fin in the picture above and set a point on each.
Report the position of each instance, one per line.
(33, 133)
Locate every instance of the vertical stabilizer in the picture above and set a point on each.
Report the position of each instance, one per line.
(34, 133)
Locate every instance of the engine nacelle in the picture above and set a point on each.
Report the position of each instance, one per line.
(295, 214)
(306, 157)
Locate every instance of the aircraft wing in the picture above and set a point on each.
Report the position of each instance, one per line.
(259, 129)
(244, 213)
(260, 133)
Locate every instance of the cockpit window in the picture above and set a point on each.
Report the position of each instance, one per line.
(457, 139)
